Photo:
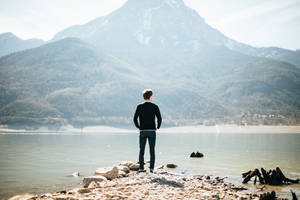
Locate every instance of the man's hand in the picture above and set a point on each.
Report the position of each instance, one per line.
(156, 129)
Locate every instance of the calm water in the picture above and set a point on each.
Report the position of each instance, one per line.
(43, 163)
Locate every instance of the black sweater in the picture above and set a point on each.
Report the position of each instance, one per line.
(146, 113)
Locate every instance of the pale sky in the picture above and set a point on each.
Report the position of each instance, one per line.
(255, 22)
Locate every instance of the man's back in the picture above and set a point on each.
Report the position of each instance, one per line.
(146, 113)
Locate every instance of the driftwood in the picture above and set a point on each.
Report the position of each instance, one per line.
(294, 195)
(272, 196)
(248, 175)
(272, 177)
(268, 196)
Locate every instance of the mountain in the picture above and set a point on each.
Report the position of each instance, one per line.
(172, 42)
(10, 43)
(71, 81)
(161, 28)
(292, 57)
(94, 73)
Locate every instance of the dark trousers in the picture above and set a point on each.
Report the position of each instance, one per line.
(151, 136)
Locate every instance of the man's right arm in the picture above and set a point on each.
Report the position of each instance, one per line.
(158, 115)
(135, 118)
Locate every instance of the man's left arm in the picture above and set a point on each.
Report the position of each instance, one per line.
(135, 118)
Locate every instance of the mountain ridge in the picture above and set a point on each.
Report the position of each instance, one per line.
(94, 73)
(10, 43)
(83, 89)
(143, 33)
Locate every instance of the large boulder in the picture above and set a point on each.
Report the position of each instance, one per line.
(124, 169)
(131, 165)
(123, 174)
(108, 172)
(87, 180)
(134, 167)
(127, 163)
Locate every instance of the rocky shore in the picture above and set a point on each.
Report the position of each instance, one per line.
(123, 182)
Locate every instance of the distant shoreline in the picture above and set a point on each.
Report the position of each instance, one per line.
(219, 129)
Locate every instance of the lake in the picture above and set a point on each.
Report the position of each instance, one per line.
(40, 163)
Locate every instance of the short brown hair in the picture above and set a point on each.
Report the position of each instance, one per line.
(147, 94)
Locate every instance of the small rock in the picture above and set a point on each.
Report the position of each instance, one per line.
(45, 195)
(71, 192)
(89, 179)
(93, 184)
(215, 196)
(107, 184)
(124, 168)
(127, 164)
(134, 167)
(171, 166)
(60, 198)
(109, 172)
(84, 190)
(128, 193)
(160, 167)
(122, 174)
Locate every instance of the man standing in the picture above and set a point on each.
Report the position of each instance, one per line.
(146, 113)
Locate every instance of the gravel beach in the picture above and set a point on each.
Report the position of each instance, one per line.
(122, 182)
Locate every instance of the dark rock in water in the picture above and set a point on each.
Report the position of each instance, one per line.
(171, 166)
(208, 177)
(196, 155)
(199, 155)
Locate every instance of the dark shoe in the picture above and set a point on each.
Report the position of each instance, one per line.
(141, 170)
